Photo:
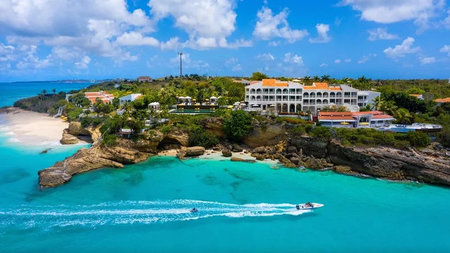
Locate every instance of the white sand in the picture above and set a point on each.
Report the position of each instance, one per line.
(31, 129)
(217, 156)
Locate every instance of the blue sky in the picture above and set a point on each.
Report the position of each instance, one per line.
(98, 39)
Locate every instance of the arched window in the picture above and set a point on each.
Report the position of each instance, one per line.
(278, 91)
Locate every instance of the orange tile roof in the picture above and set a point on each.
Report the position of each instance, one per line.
(274, 83)
(336, 118)
(415, 95)
(105, 97)
(351, 115)
(442, 100)
(321, 86)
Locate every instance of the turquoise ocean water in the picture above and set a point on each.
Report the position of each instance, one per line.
(11, 92)
(242, 208)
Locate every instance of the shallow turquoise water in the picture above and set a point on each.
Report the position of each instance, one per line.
(11, 92)
(144, 207)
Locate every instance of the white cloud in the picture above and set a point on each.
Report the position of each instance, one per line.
(73, 29)
(266, 57)
(366, 58)
(136, 39)
(84, 63)
(6, 52)
(323, 65)
(445, 49)
(322, 34)
(293, 58)
(390, 11)
(207, 22)
(446, 21)
(270, 26)
(402, 49)
(337, 61)
(381, 34)
(427, 60)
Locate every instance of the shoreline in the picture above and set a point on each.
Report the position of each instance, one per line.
(31, 129)
(216, 155)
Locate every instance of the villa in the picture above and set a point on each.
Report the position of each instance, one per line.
(129, 98)
(280, 97)
(104, 96)
(143, 79)
(372, 119)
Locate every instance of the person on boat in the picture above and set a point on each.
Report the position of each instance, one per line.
(309, 204)
(194, 210)
(297, 206)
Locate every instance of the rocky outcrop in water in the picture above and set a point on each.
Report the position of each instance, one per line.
(98, 156)
(191, 152)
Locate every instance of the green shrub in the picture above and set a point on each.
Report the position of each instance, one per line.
(109, 140)
(298, 130)
(74, 113)
(323, 133)
(444, 137)
(237, 125)
(200, 137)
(165, 129)
(418, 139)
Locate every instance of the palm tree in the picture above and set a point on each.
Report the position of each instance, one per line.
(316, 79)
(325, 78)
(54, 91)
(403, 116)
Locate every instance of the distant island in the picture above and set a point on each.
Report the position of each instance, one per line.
(392, 129)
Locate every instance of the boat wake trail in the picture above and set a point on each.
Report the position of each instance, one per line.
(135, 212)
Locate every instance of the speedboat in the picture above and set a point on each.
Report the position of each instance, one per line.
(308, 205)
(194, 210)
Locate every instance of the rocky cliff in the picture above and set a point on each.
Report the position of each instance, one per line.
(269, 142)
(428, 165)
(98, 156)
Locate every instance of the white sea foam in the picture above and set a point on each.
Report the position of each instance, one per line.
(136, 212)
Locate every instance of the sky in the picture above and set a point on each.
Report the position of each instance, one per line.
(102, 39)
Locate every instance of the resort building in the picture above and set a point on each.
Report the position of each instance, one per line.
(290, 97)
(366, 98)
(129, 98)
(372, 119)
(418, 96)
(143, 79)
(104, 96)
(273, 95)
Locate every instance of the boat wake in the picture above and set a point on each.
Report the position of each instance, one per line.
(135, 212)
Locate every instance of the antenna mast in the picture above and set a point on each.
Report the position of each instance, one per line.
(181, 64)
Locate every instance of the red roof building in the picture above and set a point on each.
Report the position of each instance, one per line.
(371, 119)
(104, 96)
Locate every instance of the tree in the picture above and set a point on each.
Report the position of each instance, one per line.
(237, 125)
(54, 91)
(80, 100)
(325, 78)
(403, 116)
(258, 76)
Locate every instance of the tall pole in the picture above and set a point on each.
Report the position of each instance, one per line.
(181, 64)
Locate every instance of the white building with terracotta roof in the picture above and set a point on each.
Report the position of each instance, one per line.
(372, 119)
(104, 96)
(291, 97)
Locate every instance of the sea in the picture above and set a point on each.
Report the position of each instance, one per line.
(242, 207)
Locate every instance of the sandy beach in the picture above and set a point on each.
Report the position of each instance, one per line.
(31, 128)
(211, 154)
